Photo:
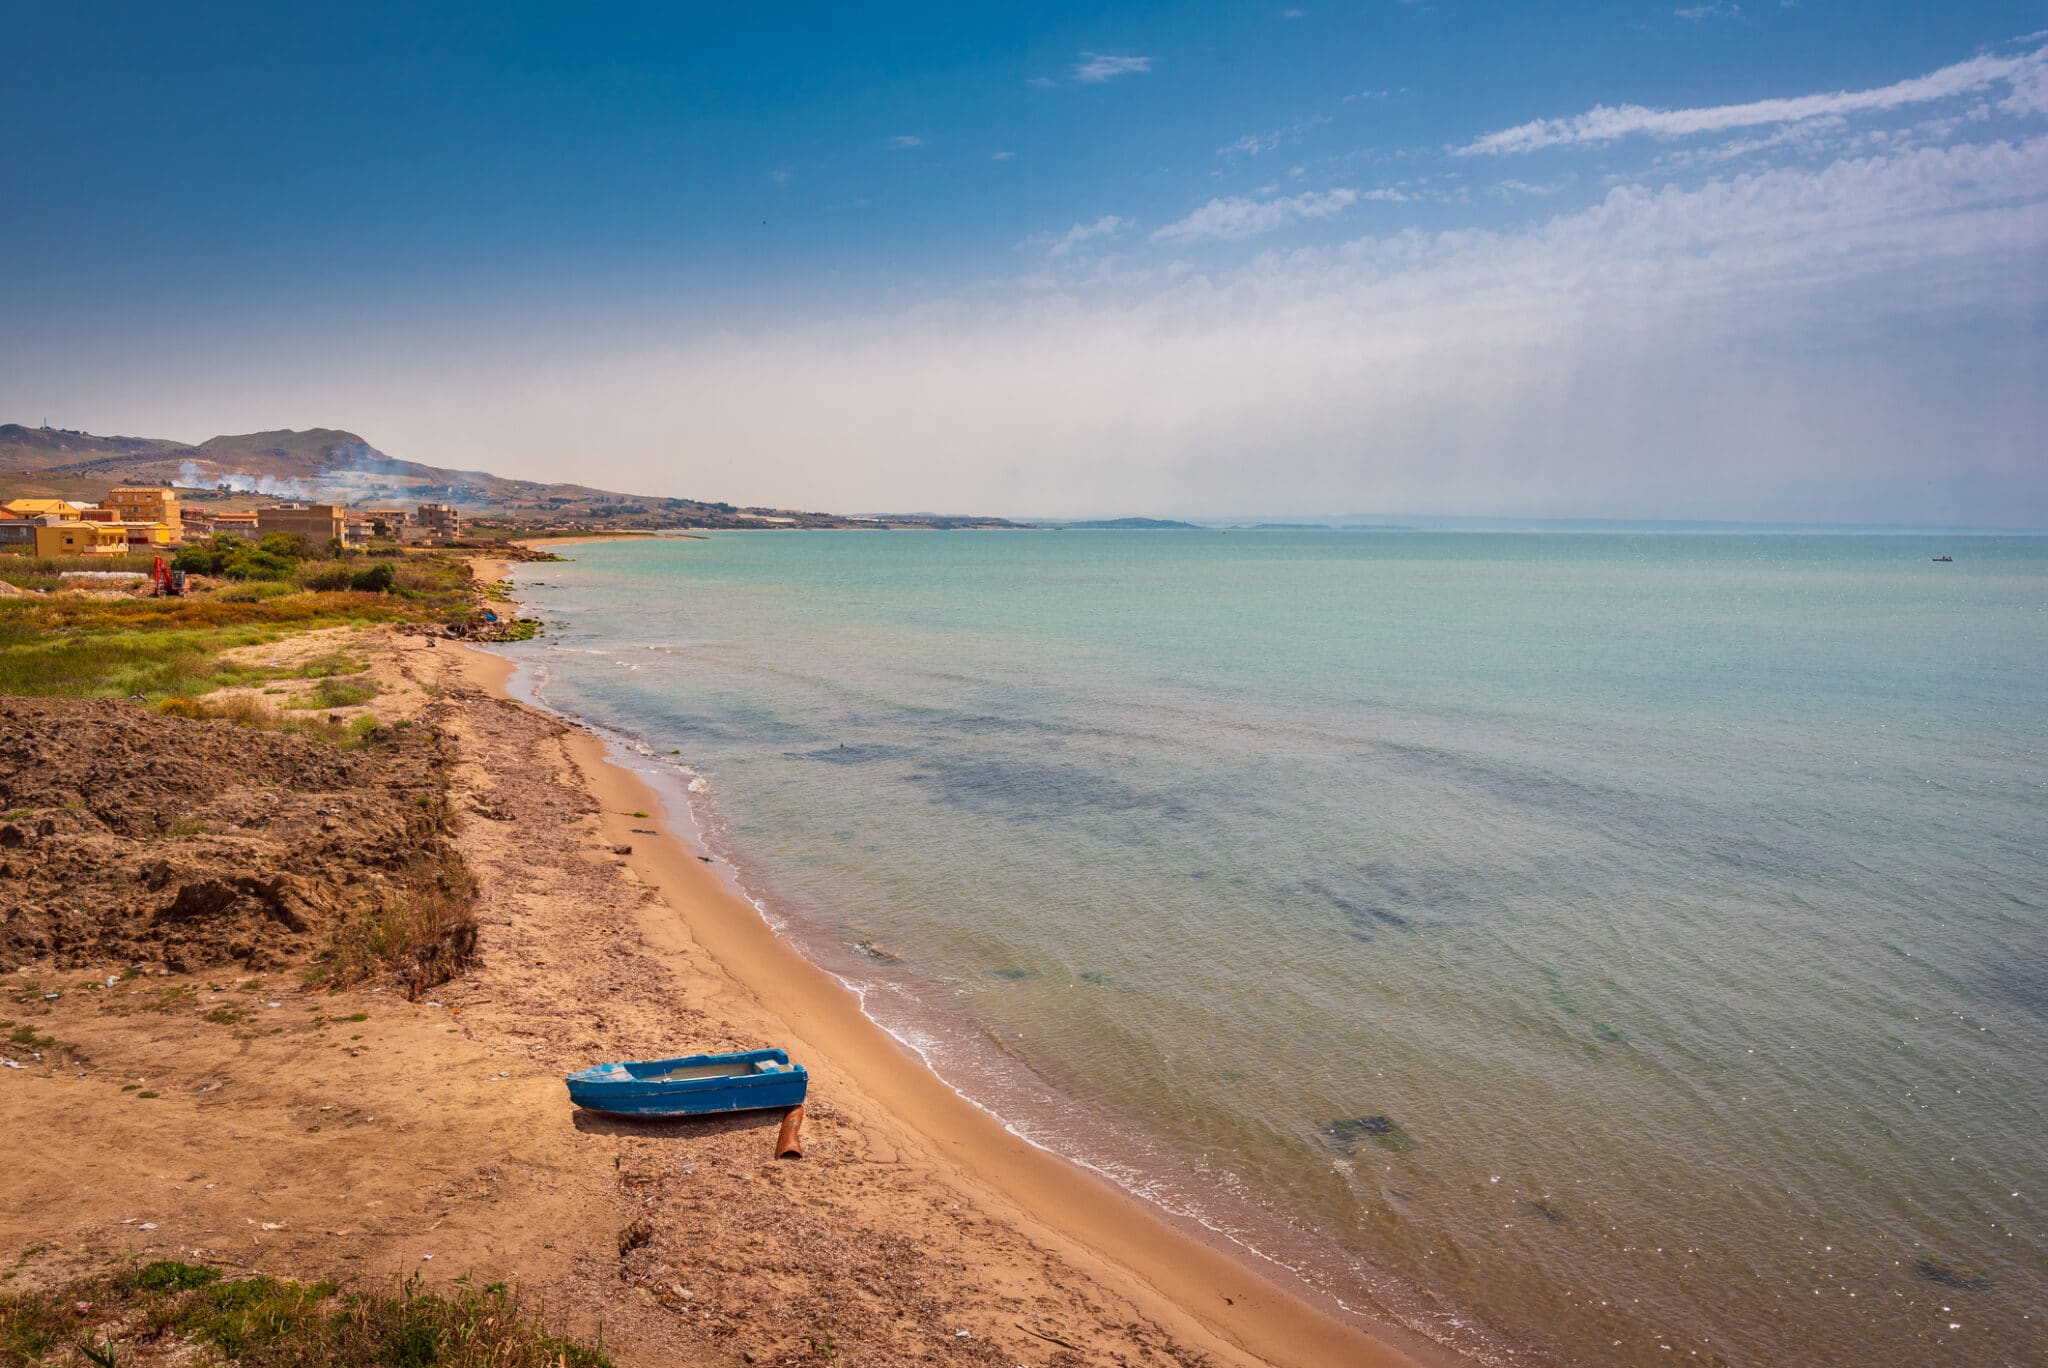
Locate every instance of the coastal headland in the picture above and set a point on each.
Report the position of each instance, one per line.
(255, 1103)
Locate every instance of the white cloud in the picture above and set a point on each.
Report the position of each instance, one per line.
(1001, 156)
(1756, 346)
(1717, 10)
(1857, 339)
(1041, 82)
(1609, 123)
(1237, 218)
(903, 142)
(1108, 226)
(1252, 144)
(1097, 67)
(781, 175)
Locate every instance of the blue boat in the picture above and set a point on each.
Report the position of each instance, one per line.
(696, 1085)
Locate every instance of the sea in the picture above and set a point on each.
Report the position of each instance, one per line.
(1591, 949)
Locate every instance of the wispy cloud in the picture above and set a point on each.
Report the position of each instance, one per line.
(1252, 144)
(903, 142)
(1610, 123)
(1096, 67)
(1040, 82)
(1108, 226)
(1717, 10)
(781, 175)
(1519, 189)
(1001, 156)
(1237, 218)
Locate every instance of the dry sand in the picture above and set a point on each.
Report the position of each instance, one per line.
(356, 1134)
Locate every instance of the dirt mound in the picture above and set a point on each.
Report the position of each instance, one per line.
(126, 834)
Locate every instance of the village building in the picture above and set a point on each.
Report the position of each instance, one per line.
(442, 521)
(319, 524)
(241, 524)
(142, 504)
(43, 508)
(75, 537)
(150, 536)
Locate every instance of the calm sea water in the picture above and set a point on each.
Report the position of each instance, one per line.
(1616, 949)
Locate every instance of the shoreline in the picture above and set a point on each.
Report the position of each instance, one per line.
(1180, 1274)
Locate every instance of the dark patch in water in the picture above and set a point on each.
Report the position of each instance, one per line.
(990, 725)
(1095, 976)
(1948, 1275)
(1658, 818)
(1028, 790)
(1550, 1213)
(1361, 915)
(2023, 981)
(1345, 1136)
(876, 952)
(1013, 975)
(858, 754)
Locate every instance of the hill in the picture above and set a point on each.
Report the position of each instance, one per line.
(337, 466)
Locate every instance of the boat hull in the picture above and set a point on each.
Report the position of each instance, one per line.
(695, 1085)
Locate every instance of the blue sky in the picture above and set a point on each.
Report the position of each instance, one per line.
(1717, 260)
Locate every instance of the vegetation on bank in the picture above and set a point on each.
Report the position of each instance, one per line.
(85, 645)
(169, 1312)
(175, 655)
(423, 935)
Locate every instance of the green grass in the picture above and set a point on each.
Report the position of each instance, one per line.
(46, 572)
(194, 1312)
(336, 693)
(70, 645)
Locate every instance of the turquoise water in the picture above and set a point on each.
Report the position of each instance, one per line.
(1605, 947)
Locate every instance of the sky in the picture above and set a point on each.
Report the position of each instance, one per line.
(1780, 260)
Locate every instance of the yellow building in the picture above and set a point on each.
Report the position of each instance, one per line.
(150, 536)
(41, 508)
(144, 505)
(81, 539)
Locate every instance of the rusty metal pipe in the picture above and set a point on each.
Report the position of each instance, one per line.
(787, 1145)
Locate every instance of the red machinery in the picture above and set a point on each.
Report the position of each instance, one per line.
(165, 581)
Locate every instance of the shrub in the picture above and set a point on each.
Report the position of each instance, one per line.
(260, 564)
(325, 577)
(284, 545)
(374, 580)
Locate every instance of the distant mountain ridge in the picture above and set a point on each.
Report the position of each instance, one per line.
(337, 466)
(1130, 525)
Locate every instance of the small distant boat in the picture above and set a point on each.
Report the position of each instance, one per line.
(1944, 560)
(696, 1085)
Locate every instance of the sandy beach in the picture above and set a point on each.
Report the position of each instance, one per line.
(360, 1135)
